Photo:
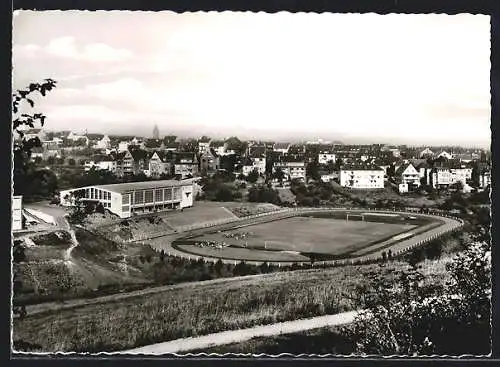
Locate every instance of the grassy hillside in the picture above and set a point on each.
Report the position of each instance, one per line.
(199, 309)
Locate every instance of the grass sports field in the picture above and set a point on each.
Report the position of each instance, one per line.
(292, 239)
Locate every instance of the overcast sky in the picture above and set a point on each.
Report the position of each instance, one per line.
(414, 79)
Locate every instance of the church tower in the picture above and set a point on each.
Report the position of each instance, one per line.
(156, 132)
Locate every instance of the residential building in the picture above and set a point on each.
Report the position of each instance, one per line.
(426, 153)
(441, 176)
(209, 162)
(328, 176)
(186, 165)
(218, 146)
(123, 146)
(204, 145)
(35, 133)
(485, 179)
(392, 149)
(326, 157)
(408, 174)
(172, 146)
(362, 176)
(247, 166)
(128, 199)
(462, 174)
(403, 188)
(104, 143)
(154, 144)
(466, 157)
(445, 155)
(37, 153)
(75, 137)
(17, 212)
(158, 164)
(281, 148)
(292, 169)
(107, 165)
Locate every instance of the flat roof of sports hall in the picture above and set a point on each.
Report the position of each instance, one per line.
(122, 188)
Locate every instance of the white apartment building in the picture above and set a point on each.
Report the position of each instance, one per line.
(17, 213)
(203, 146)
(362, 177)
(259, 163)
(123, 146)
(485, 179)
(292, 170)
(463, 174)
(127, 199)
(326, 157)
(441, 176)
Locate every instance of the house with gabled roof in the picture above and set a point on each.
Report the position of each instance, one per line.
(281, 147)
(426, 153)
(209, 162)
(257, 156)
(186, 164)
(158, 164)
(408, 175)
(445, 154)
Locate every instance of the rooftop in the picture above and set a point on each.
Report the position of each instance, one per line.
(132, 186)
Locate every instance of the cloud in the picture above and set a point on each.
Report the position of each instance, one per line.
(66, 48)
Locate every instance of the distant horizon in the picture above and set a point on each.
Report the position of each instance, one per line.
(181, 136)
(408, 79)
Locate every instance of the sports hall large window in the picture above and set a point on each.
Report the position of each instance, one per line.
(148, 196)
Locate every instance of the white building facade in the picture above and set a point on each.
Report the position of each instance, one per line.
(17, 213)
(326, 157)
(128, 199)
(362, 178)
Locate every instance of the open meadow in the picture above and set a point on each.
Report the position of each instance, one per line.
(199, 309)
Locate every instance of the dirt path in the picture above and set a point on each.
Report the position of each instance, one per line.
(236, 336)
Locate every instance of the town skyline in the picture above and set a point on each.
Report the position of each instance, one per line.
(412, 79)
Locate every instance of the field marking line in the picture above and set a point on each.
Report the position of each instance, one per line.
(230, 212)
(236, 336)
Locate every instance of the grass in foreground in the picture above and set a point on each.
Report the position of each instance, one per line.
(197, 310)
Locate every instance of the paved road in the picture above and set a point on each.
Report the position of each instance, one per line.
(236, 336)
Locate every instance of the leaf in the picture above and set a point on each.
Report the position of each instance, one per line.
(30, 102)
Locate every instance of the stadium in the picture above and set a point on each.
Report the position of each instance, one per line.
(287, 236)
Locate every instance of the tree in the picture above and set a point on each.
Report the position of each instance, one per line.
(23, 167)
(312, 170)
(253, 176)
(218, 267)
(408, 318)
(279, 175)
(71, 162)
